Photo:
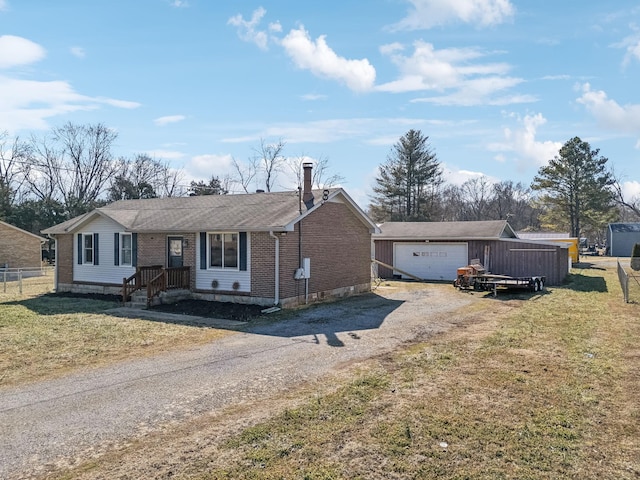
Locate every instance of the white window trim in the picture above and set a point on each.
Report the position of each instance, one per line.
(84, 250)
(230, 269)
(121, 247)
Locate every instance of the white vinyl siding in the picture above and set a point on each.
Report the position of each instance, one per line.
(105, 272)
(224, 279)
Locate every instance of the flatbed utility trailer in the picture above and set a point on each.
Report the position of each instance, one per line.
(491, 282)
(473, 276)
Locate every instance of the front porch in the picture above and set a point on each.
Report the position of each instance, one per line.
(153, 280)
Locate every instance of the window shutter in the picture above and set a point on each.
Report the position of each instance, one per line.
(134, 249)
(203, 250)
(116, 248)
(96, 252)
(243, 251)
(79, 249)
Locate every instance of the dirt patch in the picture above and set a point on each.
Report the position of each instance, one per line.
(203, 308)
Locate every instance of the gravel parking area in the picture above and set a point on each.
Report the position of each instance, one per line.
(53, 424)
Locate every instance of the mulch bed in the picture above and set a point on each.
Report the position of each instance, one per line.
(202, 308)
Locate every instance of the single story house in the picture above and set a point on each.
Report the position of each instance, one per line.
(435, 250)
(561, 237)
(276, 248)
(621, 237)
(19, 248)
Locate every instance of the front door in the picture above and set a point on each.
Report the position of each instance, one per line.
(176, 257)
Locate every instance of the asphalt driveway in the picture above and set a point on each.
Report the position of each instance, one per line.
(50, 424)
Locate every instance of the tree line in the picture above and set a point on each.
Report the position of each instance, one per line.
(71, 169)
(576, 192)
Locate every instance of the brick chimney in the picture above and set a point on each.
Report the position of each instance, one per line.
(307, 195)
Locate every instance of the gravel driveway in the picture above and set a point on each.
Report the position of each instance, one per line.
(52, 423)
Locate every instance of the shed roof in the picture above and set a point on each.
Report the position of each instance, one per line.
(544, 235)
(489, 229)
(23, 231)
(277, 211)
(625, 227)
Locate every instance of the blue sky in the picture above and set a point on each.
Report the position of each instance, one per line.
(497, 85)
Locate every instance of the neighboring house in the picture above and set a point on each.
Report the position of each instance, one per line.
(621, 237)
(19, 248)
(279, 248)
(574, 251)
(435, 250)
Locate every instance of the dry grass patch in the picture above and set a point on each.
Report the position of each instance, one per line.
(44, 336)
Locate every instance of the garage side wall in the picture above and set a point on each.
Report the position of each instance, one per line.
(518, 259)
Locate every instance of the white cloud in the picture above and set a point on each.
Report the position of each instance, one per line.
(179, 3)
(523, 144)
(426, 14)
(78, 52)
(454, 176)
(313, 97)
(247, 29)
(165, 154)
(609, 113)
(631, 45)
(162, 121)
(3, 5)
(631, 190)
(204, 166)
(454, 70)
(27, 104)
(321, 60)
(16, 51)
(323, 131)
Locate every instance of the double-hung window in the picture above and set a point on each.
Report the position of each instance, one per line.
(223, 250)
(126, 249)
(87, 248)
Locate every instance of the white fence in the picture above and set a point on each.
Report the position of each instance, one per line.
(26, 280)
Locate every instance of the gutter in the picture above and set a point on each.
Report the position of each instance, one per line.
(276, 296)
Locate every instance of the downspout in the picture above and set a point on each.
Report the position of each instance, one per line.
(276, 299)
(55, 265)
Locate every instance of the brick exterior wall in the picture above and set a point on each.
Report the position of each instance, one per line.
(336, 241)
(19, 249)
(64, 258)
(152, 250)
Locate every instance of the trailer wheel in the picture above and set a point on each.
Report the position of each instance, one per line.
(536, 285)
(541, 285)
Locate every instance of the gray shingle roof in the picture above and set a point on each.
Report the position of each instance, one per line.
(445, 230)
(247, 212)
(625, 227)
(544, 235)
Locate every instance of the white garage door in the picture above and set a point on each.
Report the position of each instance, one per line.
(431, 261)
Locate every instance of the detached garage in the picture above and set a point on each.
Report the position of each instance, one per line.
(435, 250)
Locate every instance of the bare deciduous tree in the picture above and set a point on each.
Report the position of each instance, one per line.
(13, 161)
(73, 164)
(321, 176)
(146, 177)
(245, 173)
(271, 161)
